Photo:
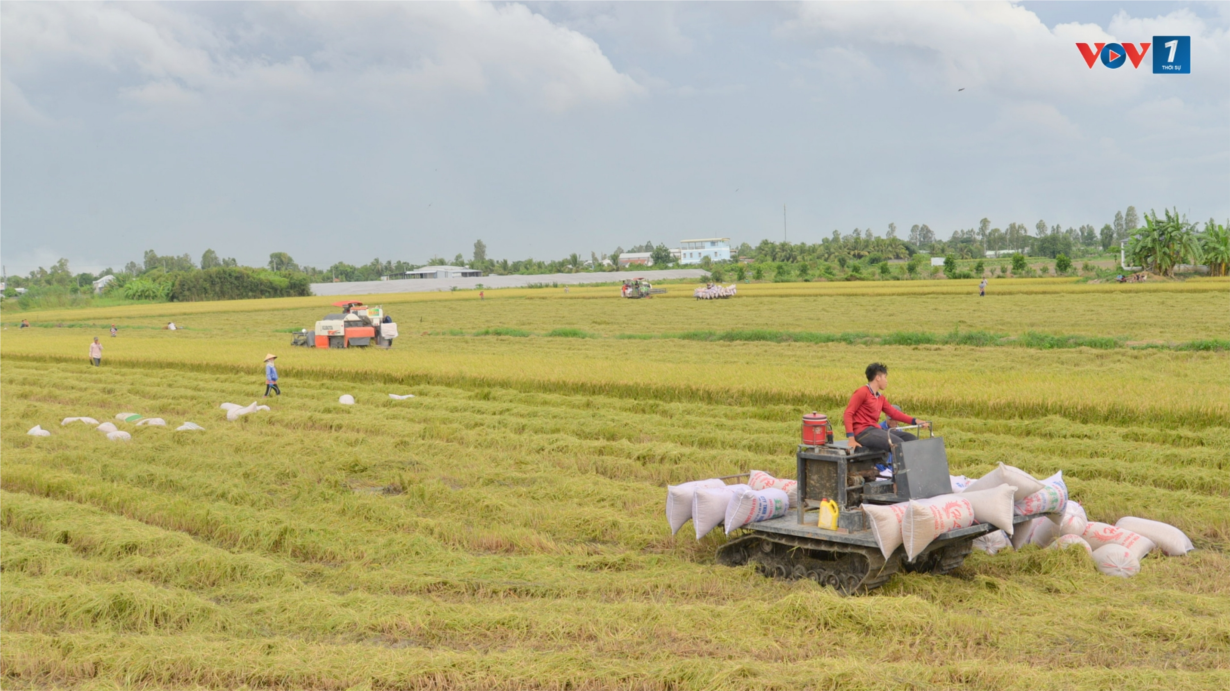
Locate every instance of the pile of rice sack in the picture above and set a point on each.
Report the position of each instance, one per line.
(710, 503)
(1116, 549)
(714, 291)
(995, 498)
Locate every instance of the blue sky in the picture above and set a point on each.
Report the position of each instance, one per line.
(343, 132)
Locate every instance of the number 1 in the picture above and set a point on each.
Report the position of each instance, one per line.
(1172, 45)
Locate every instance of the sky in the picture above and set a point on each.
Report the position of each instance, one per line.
(350, 131)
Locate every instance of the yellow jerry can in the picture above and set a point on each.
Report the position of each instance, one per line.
(828, 514)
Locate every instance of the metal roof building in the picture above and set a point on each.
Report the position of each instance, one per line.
(444, 272)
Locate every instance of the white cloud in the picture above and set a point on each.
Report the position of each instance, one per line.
(167, 56)
(999, 47)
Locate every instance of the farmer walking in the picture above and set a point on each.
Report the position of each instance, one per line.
(271, 376)
(982, 288)
(96, 352)
(114, 331)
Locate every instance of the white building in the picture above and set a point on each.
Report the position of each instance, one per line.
(444, 272)
(636, 258)
(101, 284)
(693, 251)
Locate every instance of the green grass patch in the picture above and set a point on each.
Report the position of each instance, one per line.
(569, 333)
(504, 331)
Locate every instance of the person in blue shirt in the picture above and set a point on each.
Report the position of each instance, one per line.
(271, 376)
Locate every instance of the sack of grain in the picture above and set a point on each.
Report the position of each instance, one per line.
(992, 542)
(679, 501)
(189, 426)
(399, 397)
(230, 406)
(106, 427)
(926, 519)
(1066, 541)
(1051, 498)
(152, 421)
(1072, 521)
(1116, 560)
(86, 420)
(992, 506)
(119, 435)
(236, 413)
(709, 507)
(959, 483)
(128, 417)
(1171, 540)
(886, 525)
(1024, 483)
(750, 506)
(38, 431)
(346, 399)
(1101, 534)
(1039, 531)
(761, 480)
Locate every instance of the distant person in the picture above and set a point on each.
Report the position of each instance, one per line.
(982, 288)
(25, 324)
(96, 352)
(480, 295)
(862, 417)
(271, 376)
(170, 326)
(114, 331)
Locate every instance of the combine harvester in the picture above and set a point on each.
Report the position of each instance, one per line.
(640, 288)
(357, 326)
(846, 556)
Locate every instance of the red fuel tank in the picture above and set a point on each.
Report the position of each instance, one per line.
(815, 429)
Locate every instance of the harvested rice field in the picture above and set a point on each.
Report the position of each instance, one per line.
(504, 528)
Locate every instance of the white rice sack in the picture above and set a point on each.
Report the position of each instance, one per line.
(346, 399)
(189, 426)
(38, 431)
(1116, 560)
(992, 542)
(1072, 524)
(1066, 541)
(86, 420)
(228, 407)
(1074, 508)
(128, 417)
(106, 427)
(959, 483)
(400, 398)
(152, 421)
(992, 506)
(119, 435)
(1039, 531)
(679, 501)
(1172, 540)
(752, 505)
(709, 507)
(759, 480)
(1024, 483)
(886, 525)
(1099, 535)
(236, 413)
(1051, 498)
(926, 519)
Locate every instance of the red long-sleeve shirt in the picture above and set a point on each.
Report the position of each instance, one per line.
(865, 408)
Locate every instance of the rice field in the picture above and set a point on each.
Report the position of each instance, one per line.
(504, 529)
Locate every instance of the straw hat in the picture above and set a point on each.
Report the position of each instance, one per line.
(270, 356)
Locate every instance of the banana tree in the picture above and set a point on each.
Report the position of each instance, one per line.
(1216, 247)
(1163, 244)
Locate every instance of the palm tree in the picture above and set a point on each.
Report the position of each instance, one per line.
(1163, 244)
(1216, 247)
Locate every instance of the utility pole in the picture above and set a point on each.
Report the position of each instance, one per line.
(785, 236)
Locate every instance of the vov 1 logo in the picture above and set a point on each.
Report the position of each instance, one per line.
(1171, 54)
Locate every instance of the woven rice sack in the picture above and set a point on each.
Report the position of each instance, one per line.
(1170, 539)
(679, 501)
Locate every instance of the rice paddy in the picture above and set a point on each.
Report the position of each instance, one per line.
(503, 529)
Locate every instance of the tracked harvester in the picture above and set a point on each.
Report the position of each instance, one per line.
(357, 325)
(848, 558)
